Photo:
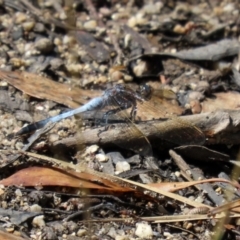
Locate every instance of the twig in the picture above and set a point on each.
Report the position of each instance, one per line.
(220, 127)
(180, 162)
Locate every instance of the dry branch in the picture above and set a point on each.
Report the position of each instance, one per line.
(219, 127)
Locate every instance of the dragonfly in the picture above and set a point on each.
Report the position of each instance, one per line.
(114, 101)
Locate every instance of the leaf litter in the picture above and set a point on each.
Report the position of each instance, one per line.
(91, 47)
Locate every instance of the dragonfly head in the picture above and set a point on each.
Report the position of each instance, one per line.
(145, 91)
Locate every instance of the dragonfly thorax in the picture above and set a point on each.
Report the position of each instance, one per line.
(145, 91)
(121, 96)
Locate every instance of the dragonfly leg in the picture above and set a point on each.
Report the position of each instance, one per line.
(106, 115)
(133, 113)
(110, 112)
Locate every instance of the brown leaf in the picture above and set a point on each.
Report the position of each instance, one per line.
(9, 236)
(46, 176)
(222, 100)
(176, 186)
(44, 88)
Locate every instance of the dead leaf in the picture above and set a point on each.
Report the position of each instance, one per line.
(176, 186)
(9, 236)
(44, 88)
(222, 100)
(47, 176)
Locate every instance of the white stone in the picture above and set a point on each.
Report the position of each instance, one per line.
(35, 208)
(101, 157)
(90, 25)
(120, 237)
(122, 166)
(38, 221)
(151, 8)
(112, 232)
(92, 149)
(132, 22)
(81, 232)
(168, 235)
(144, 230)
(18, 193)
(229, 7)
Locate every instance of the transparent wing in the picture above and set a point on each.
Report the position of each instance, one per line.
(136, 140)
(175, 130)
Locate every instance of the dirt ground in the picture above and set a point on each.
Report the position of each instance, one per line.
(167, 170)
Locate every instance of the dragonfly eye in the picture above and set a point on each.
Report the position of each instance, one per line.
(145, 91)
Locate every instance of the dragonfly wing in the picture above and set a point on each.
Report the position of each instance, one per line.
(174, 130)
(136, 140)
(180, 132)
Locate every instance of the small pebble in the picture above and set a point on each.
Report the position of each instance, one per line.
(128, 78)
(19, 145)
(18, 193)
(101, 157)
(90, 25)
(2, 191)
(141, 20)
(39, 27)
(145, 178)
(74, 68)
(194, 95)
(127, 40)
(81, 232)
(122, 166)
(144, 230)
(116, 75)
(44, 45)
(218, 11)
(202, 86)
(140, 68)
(132, 22)
(17, 33)
(197, 229)
(189, 225)
(20, 17)
(101, 79)
(179, 29)
(38, 221)
(168, 235)
(103, 68)
(112, 232)
(35, 208)
(196, 106)
(62, 16)
(199, 199)
(92, 149)
(92, 45)
(229, 8)
(151, 8)
(49, 233)
(120, 237)
(4, 204)
(120, 15)
(177, 174)
(105, 11)
(56, 63)
(28, 26)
